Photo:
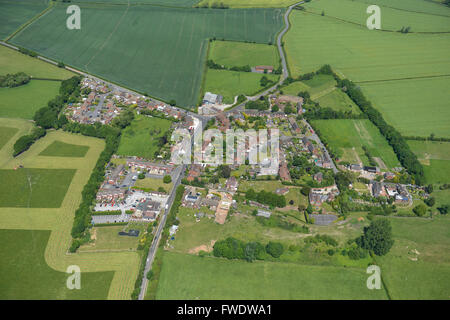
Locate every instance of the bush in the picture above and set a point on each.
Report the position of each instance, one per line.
(14, 80)
(275, 249)
(377, 237)
(167, 179)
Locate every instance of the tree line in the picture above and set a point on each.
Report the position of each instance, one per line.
(14, 80)
(266, 197)
(232, 248)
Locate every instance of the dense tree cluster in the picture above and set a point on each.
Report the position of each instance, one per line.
(260, 104)
(266, 197)
(232, 248)
(24, 143)
(377, 237)
(14, 80)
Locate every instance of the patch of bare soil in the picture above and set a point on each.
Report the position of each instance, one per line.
(203, 247)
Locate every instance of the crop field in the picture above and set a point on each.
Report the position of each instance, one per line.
(15, 13)
(34, 188)
(124, 265)
(224, 279)
(6, 133)
(61, 149)
(371, 57)
(168, 62)
(139, 138)
(435, 158)
(12, 61)
(342, 135)
(237, 54)
(423, 275)
(23, 101)
(230, 84)
(24, 273)
(169, 3)
(251, 3)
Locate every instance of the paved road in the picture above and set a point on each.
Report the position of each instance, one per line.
(155, 243)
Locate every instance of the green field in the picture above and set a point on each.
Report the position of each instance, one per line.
(107, 238)
(251, 3)
(25, 275)
(12, 61)
(6, 133)
(237, 54)
(137, 139)
(339, 101)
(429, 276)
(362, 55)
(168, 62)
(153, 184)
(23, 101)
(232, 83)
(213, 278)
(435, 158)
(343, 135)
(61, 149)
(17, 12)
(34, 188)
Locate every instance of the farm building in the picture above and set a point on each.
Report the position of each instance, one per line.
(211, 98)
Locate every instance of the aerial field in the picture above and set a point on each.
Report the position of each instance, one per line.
(25, 275)
(213, 278)
(114, 42)
(139, 140)
(364, 56)
(422, 275)
(107, 238)
(15, 13)
(6, 133)
(251, 3)
(238, 54)
(412, 5)
(435, 158)
(25, 100)
(343, 135)
(232, 83)
(339, 101)
(61, 149)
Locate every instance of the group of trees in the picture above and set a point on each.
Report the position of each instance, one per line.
(24, 142)
(27, 52)
(14, 80)
(377, 237)
(266, 197)
(261, 104)
(212, 65)
(232, 248)
(265, 82)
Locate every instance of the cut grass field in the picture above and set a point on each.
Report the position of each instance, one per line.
(343, 135)
(108, 239)
(137, 139)
(429, 276)
(230, 84)
(360, 55)
(213, 278)
(61, 149)
(238, 54)
(34, 188)
(12, 61)
(6, 133)
(435, 158)
(251, 3)
(25, 275)
(114, 43)
(59, 220)
(153, 184)
(339, 101)
(24, 101)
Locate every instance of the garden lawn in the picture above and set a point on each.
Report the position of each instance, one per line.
(6, 133)
(115, 43)
(107, 238)
(213, 278)
(12, 61)
(61, 149)
(137, 139)
(34, 188)
(25, 100)
(232, 83)
(238, 54)
(343, 135)
(25, 275)
(152, 184)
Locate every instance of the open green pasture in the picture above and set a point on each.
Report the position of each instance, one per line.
(139, 139)
(62, 149)
(338, 100)
(435, 158)
(34, 188)
(25, 275)
(156, 50)
(213, 278)
(108, 239)
(343, 135)
(6, 133)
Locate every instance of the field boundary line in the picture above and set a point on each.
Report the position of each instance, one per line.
(407, 78)
(29, 22)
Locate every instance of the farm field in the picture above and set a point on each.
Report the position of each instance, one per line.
(412, 5)
(139, 138)
(24, 273)
(238, 54)
(251, 3)
(6, 133)
(339, 101)
(12, 61)
(429, 276)
(16, 13)
(108, 239)
(361, 56)
(124, 265)
(435, 158)
(34, 188)
(243, 280)
(114, 43)
(61, 149)
(25, 100)
(230, 84)
(343, 135)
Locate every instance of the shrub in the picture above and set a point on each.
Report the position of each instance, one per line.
(275, 249)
